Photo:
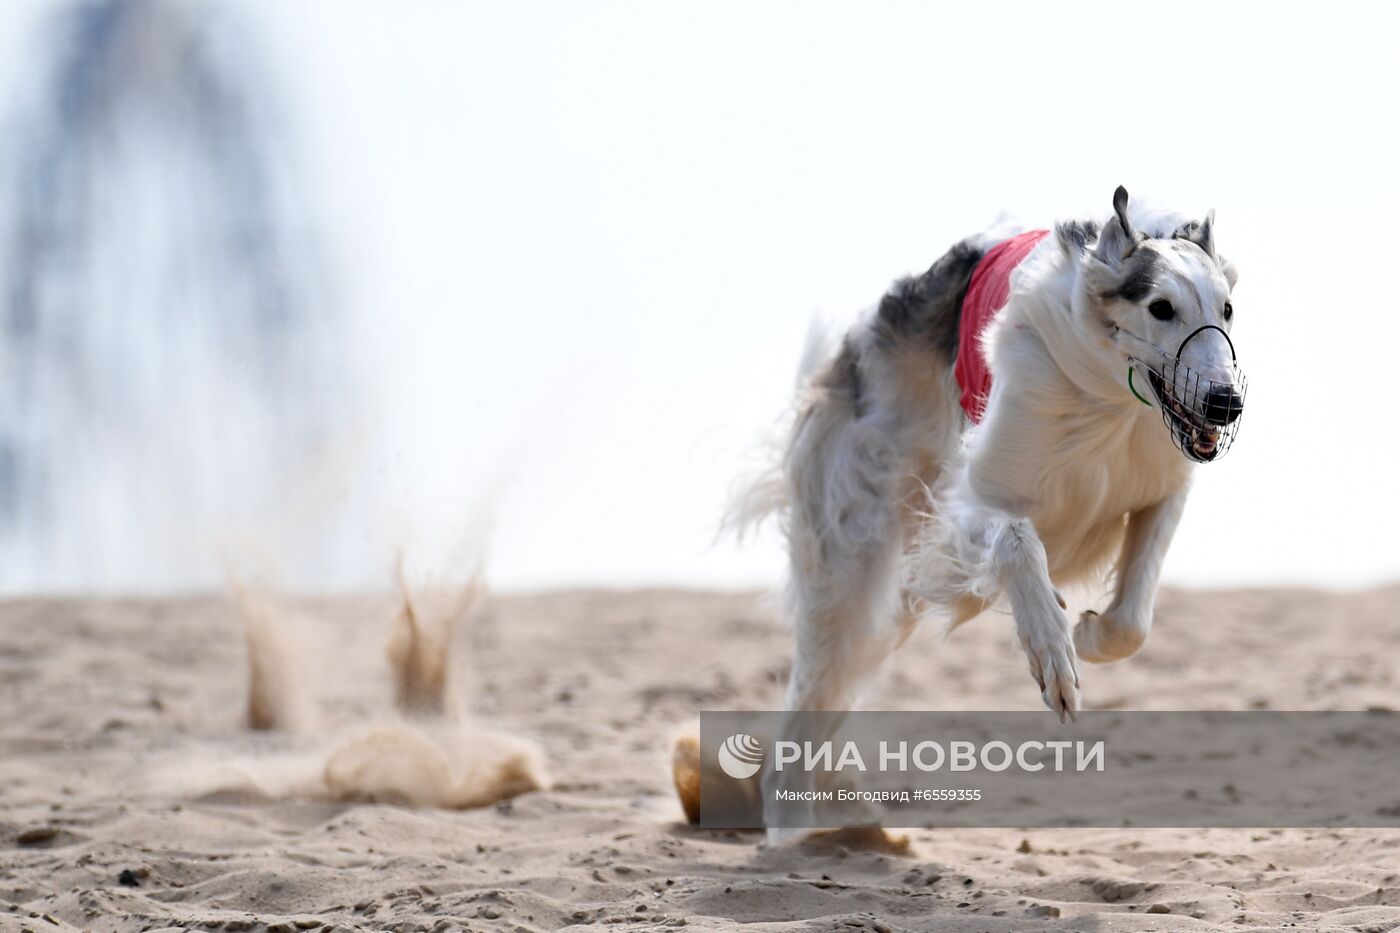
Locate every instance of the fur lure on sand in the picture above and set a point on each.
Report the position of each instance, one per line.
(430, 757)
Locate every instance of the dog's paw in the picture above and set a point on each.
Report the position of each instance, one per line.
(1053, 667)
(1103, 638)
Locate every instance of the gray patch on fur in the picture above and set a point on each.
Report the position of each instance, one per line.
(1076, 235)
(924, 311)
(1141, 273)
(843, 379)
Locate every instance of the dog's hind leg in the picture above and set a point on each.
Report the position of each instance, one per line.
(844, 471)
(1121, 629)
(844, 543)
(842, 645)
(844, 636)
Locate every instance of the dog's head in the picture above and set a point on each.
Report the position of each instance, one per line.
(1165, 300)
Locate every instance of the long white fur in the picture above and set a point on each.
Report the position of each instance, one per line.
(905, 511)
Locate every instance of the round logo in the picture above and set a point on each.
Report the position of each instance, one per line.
(741, 756)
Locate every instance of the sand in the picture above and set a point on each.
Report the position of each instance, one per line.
(134, 797)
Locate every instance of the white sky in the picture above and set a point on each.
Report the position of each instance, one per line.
(584, 242)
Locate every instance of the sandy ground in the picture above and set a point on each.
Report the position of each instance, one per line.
(121, 722)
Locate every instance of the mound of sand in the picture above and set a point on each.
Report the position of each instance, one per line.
(104, 699)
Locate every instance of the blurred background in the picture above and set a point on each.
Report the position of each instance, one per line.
(285, 288)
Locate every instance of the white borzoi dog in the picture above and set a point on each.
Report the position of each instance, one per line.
(1112, 373)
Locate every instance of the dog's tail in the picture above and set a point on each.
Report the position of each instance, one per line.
(753, 498)
(761, 492)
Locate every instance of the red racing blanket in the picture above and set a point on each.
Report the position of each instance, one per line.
(987, 293)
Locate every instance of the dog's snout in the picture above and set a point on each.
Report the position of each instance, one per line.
(1223, 405)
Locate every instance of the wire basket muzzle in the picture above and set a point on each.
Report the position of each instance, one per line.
(1202, 414)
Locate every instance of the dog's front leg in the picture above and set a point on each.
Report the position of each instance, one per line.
(1018, 560)
(1121, 629)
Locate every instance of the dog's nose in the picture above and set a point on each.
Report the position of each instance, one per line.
(1223, 405)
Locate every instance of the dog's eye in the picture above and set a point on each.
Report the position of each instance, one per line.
(1162, 309)
(1229, 310)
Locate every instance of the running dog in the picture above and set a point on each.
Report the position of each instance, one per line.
(1023, 416)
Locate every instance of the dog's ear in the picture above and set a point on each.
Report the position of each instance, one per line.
(1118, 238)
(1202, 233)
